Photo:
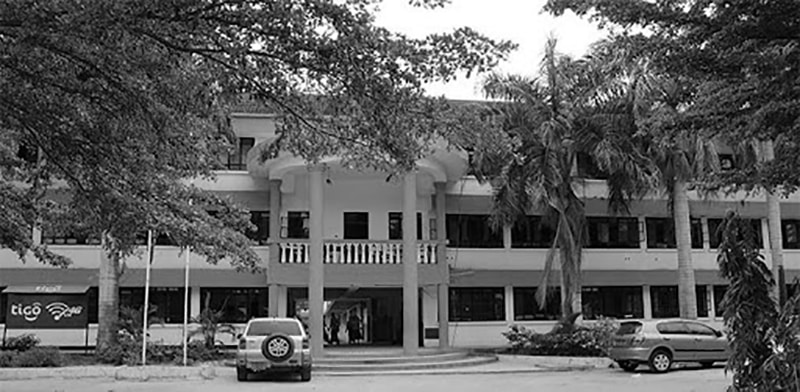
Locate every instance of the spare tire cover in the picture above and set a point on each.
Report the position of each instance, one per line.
(277, 348)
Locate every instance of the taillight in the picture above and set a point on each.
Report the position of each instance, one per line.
(305, 343)
(242, 343)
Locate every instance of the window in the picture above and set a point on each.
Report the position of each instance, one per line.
(527, 308)
(67, 236)
(237, 160)
(3, 305)
(660, 233)
(477, 304)
(531, 232)
(356, 225)
(613, 232)
(673, 328)
(261, 220)
(265, 328)
(297, 226)
(696, 233)
(665, 301)
(791, 238)
(167, 301)
(237, 304)
(702, 301)
(396, 225)
(472, 231)
(699, 329)
(715, 232)
(92, 303)
(719, 295)
(164, 239)
(611, 301)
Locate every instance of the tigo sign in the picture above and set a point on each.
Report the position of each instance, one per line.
(46, 311)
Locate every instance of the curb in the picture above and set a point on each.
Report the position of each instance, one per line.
(121, 373)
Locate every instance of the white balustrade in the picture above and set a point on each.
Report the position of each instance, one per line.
(357, 252)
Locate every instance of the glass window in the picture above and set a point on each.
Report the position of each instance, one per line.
(672, 328)
(67, 236)
(702, 301)
(356, 225)
(532, 232)
(265, 328)
(237, 159)
(660, 233)
(612, 301)
(237, 304)
(715, 233)
(472, 231)
(396, 226)
(613, 232)
(699, 329)
(665, 301)
(167, 301)
(791, 228)
(719, 295)
(297, 225)
(526, 307)
(477, 304)
(261, 220)
(696, 233)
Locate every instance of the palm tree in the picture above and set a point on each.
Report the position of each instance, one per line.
(548, 123)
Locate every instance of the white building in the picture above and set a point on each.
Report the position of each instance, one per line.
(471, 287)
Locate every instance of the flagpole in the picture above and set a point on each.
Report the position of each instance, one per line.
(186, 306)
(147, 294)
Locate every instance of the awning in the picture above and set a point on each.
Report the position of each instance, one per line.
(45, 289)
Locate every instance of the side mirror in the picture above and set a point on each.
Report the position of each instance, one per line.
(718, 333)
(238, 336)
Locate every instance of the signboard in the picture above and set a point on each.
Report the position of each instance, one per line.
(49, 308)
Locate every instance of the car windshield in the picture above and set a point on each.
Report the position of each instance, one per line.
(629, 328)
(265, 328)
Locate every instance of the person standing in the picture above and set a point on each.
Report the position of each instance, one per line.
(334, 334)
(354, 329)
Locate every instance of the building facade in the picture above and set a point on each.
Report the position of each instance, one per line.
(470, 282)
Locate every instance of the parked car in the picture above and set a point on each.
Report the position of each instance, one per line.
(273, 345)
(660, 343)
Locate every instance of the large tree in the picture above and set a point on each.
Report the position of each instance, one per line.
(122, 102)
(574, 109)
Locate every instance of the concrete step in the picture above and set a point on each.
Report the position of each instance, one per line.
(368, 359)
(415, 364)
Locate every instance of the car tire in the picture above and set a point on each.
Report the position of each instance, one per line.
(660, 361)
(305, 374)
(278, 348)
(241, 373)
(706, 364)
(628, 366)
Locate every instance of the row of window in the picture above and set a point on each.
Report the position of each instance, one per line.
(621, 302)
(474, 231)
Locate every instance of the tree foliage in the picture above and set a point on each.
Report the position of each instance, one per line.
(125, 101)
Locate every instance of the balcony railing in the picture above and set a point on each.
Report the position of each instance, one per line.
(356, 252)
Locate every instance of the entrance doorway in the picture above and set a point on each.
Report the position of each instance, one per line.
(374, 315)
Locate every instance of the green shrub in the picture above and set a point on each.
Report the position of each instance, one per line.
(22, 342)
(127, 351)
(35, 357)
(591, 340)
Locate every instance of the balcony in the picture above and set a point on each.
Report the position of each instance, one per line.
(357, 251)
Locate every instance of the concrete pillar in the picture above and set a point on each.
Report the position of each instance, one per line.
(410, 267)
(196, 303)
(441, 256)
(283, 301)
(706, 234)
(508, 294)
(712, 306)
(642, 232)
(274, 247)
(506, 237)
(647, 302)
(316, 272)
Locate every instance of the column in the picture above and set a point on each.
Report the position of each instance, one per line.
(642, 232)
(274, 247)
(647, 302)
(410, 277)
(506, 237)
(315, 267)
(508, 293)
(712, 306)
(706, 234)
(196, 303)
(441, 258)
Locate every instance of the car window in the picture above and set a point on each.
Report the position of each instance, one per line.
(672, 328)
(265, 328)
(700, 329)
(629, 328)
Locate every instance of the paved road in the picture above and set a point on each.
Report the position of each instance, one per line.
(686, 380)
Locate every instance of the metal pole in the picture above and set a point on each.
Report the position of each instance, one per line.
(186, 306)
(146, 294)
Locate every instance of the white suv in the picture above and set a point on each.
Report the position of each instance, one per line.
(273, 345)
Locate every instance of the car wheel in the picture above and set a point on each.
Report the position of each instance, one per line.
(707, 364)
(660, 361)
(241, 373)
(277, 348)
(628, 366)
(305, 374)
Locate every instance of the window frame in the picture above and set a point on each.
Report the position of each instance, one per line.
(458, 238)
(473, 311)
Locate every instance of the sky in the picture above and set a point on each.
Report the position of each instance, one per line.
(520, 21)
